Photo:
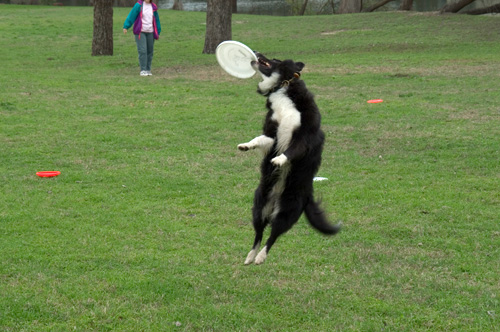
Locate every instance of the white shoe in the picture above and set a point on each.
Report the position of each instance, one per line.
(149, 73)
(144, 73)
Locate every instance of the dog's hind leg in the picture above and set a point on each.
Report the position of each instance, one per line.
(259, 232)
(283, 222)
(253, 253)
(259, 224)
(275, 233)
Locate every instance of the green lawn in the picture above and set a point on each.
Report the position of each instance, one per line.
(148, 225)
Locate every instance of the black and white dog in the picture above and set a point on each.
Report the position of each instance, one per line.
(292, 142)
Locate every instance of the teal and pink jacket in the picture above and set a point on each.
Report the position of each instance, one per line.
(135, 18)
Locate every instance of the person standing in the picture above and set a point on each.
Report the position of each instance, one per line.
(144, 16)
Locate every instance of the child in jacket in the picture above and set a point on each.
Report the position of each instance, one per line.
(144, 16)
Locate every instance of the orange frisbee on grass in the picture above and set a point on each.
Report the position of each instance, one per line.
(48, 174)
(374, 101)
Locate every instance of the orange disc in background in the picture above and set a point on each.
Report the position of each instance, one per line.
(48, 174)
(374, 101)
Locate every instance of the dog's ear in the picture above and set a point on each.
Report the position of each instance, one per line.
(299, 66)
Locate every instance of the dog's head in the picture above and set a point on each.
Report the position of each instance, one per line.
(275, 73)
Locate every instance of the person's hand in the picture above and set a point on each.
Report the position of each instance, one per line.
(124, 30)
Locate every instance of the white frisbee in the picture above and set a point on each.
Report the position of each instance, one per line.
(235, 58)
(319, 178)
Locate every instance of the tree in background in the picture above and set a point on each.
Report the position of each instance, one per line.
(406, 5)
(303, 8)
(454, 7)
(218, 29)
(494, 9)
(450, 7)
(376, 6)
(350, 6)
(178, 5)
(102, 41)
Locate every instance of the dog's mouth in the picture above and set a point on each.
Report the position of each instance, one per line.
(261, 61)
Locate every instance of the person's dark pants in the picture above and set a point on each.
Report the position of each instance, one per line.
(145, 44)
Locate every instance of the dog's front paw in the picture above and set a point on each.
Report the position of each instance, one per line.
(279, 160)
(245, 147)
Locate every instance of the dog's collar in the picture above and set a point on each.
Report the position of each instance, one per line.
(284, 83)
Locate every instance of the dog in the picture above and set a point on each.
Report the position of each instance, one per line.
(292, 144)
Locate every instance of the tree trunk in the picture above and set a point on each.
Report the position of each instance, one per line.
(178, 5)
(376, 6)
(350, 6)
(218, 24)
(102, 41)
(485, 10)
(455, 7)
(303, 9)
(329, 3)
(406, 5)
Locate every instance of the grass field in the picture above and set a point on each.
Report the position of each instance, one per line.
(148, 225)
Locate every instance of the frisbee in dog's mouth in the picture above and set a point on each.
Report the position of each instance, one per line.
(236, 58)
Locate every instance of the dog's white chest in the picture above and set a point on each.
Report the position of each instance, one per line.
(288, 118)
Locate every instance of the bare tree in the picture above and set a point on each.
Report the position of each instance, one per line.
(455, 7)
(406, 5)
(218, 24)
(376, 6)
(303, 8)
(326, 4)
(484, 10)
(350, 6)
(102, 41)
(178, 5)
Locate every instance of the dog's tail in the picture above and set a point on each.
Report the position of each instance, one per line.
(317, 219)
